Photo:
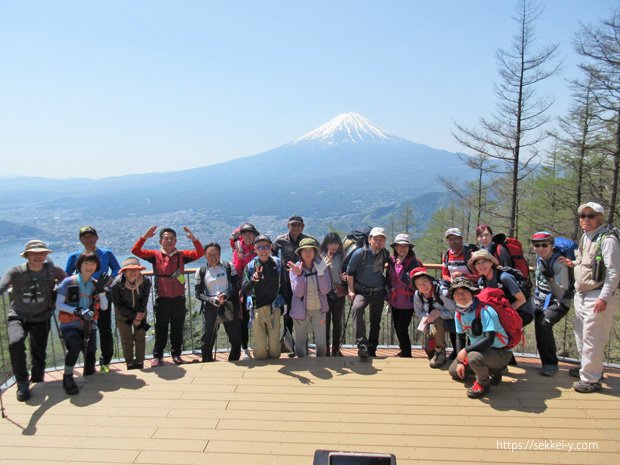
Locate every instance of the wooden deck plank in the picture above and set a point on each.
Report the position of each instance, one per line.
(281, 411)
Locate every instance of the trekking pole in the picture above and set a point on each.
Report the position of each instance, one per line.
(346, 323)
(62, 341)
(2, 404)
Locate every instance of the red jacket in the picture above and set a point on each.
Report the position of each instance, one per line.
(164, 267)
(242, 255)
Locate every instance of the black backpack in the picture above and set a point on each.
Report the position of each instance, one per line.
(354, 240)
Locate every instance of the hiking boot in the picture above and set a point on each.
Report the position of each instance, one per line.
(135, 366)
(89, 367)
(478, 390)
(574, 372)
(585, 387)
(372, 352)
(247, 352)
(156, 362)
(178, 360)
(337, 353)
(362, 352)
(69, 385)
(37, 378)
(438, 359)
(495, 377)
(549, 370)
(23, 391)
(104, 368)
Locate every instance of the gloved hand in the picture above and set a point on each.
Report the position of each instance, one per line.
(85, 313)
(100, 283)
(547, 271)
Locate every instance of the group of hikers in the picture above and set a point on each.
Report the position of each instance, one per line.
(291, 286)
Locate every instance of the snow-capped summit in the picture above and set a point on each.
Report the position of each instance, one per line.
(348, 128)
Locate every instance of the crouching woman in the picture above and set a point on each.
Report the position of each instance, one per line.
(130, 294)
(485, 355)
(79, 300)
(310, 285)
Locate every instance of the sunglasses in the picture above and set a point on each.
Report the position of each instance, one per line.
(263, 247)
(589, 216)
(540, 244)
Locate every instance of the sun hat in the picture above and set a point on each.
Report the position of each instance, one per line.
(307, 243)
(597, 207)
(376, 231)
(453, 232)
(417, 272)
(402, 239)
(481, 255)
(541, 236)
(248, 227)
(131, 263)
(461, 282)
(35, 246)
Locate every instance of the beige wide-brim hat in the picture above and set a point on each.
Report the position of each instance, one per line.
(481, 255)
(402, 239)
(35, 246)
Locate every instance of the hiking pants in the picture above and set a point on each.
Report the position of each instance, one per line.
(210, 330)
(131, 337)
(544, 320)
(106, 339)
(402, 319)
(481, 362)
(592, 332)
(316, 319)
(74, 341)
(358, 307)
(266, 327)
(169, 311)
(333, 325)
(17, 333)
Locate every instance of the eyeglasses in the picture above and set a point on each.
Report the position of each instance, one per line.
(589, 216)
(540, 244)
(263, 247)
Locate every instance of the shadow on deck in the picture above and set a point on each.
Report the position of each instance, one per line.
(280, 412)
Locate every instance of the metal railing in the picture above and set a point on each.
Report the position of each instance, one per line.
(567, 349)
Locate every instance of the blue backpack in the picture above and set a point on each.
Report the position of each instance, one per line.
(565, 247)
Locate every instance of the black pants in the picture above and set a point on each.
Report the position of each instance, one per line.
(544, 320)
(209, 333)
(335, 318)
(169, 312)
(38, 333)
(106, 340)
(358, 308)
(402, 319)
(74, 341)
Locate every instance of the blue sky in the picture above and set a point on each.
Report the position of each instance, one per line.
(107, 88)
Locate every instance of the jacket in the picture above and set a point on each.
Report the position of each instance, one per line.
(298, 286)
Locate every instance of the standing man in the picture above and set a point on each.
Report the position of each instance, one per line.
(596, 294)
(32, 305)
(285, 246)
(168, 270)
(109, 267)
(262, 285)
(366, 282)
(454, 260)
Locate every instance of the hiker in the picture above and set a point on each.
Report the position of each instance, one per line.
(332, 251)
(454, 260)
(217, 287)
(32, 304)
(366, 287)
(433, 307)
(492, 275)
(484, 234)
(400, 294)
(243, 252)
(596, 299)
(263, 284)
(109, 269)
(485, 355)
(80, 301)
(168, 269)
(310, 283)
(130, 293)
(284, 246)
(552, 298)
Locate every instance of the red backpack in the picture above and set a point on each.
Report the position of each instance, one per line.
(515, 249)
(508, 316)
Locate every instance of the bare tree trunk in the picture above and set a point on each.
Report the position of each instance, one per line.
(614, 182)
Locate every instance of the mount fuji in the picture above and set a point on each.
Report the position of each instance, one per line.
(346, 165)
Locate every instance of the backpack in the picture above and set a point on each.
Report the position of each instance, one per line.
(515, 249)
(468, 249)
(508, 316)
(565, 247)
(599, 270)
(354, 240)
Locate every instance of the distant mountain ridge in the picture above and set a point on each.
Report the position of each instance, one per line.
(347, 164)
